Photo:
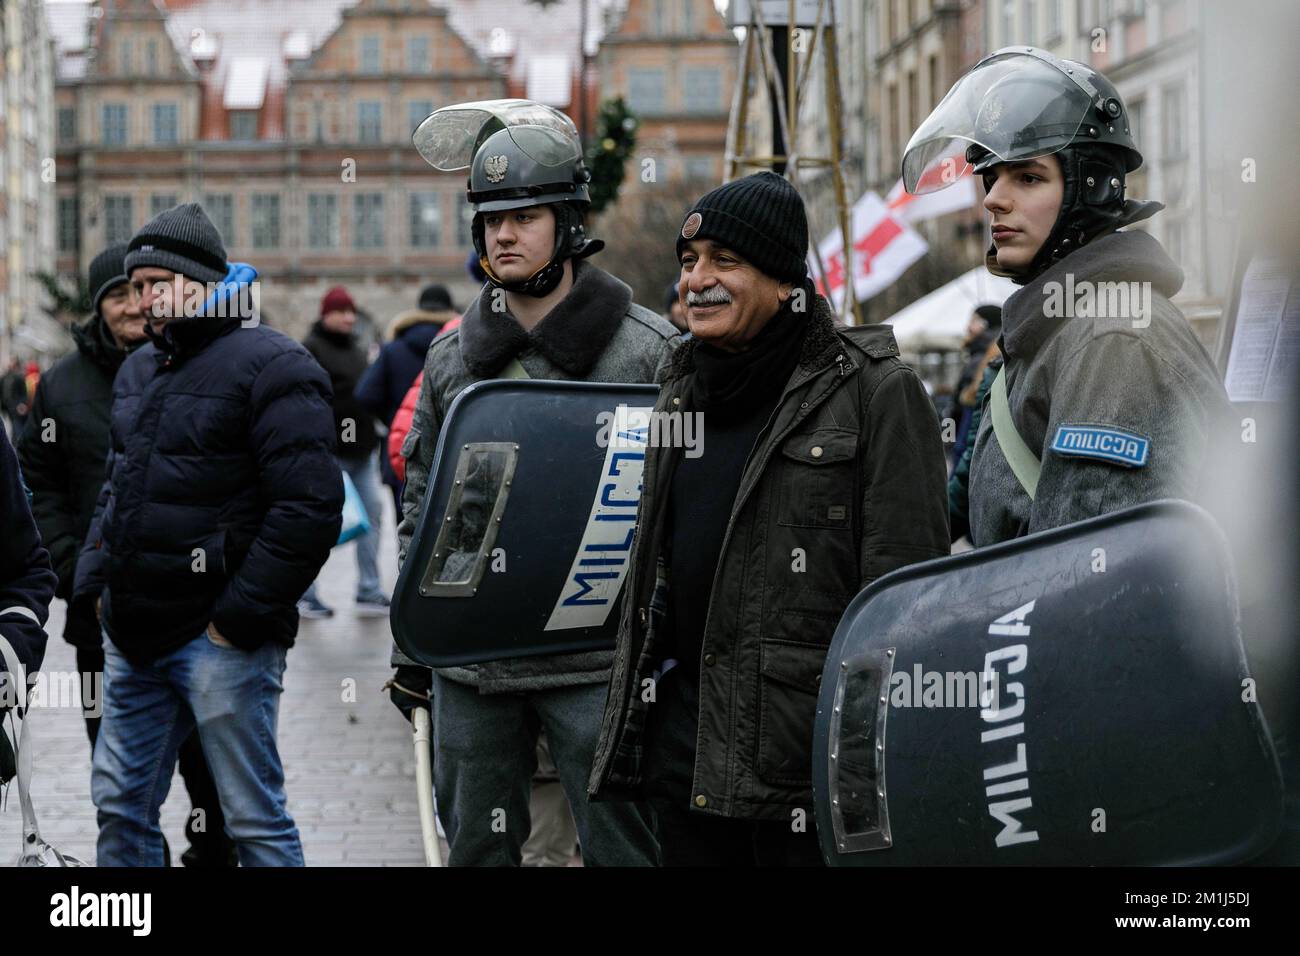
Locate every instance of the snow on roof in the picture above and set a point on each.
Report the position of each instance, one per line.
(550, 79)
(245, 83)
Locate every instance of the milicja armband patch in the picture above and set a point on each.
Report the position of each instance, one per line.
(1102, 443)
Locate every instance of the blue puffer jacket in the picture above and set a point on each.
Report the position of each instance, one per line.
(223, 497)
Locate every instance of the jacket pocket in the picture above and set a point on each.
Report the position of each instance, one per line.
(787, 707)
(817, 480)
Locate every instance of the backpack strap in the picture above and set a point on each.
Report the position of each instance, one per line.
(1024, 463)
(514, 369)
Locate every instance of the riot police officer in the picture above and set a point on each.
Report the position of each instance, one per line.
(1106, 398)
(544, 313)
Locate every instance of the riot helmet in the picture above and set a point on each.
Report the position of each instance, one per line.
(519, 154)
(1021, 103)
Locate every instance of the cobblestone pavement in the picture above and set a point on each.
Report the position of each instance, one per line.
(348, 758)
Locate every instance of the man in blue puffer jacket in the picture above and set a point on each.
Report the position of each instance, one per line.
(222, 502)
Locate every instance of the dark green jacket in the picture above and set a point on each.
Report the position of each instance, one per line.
(845, 484)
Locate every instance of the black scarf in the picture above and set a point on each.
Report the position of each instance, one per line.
(738, 379)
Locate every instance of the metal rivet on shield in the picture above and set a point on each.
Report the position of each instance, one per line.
(466, 448)
(882, 700)
(880, 748)
(1091, 181)
(449, 518)
(844, 665)
(458, 481)
(516, 448)
(835, 803)
(816, 451)
(889, 653)
(880, 793)
(1114, 181)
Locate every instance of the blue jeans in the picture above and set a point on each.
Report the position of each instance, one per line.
(233, 697)
(365, 475)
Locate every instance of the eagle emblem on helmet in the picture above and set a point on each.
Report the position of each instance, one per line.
(495, 167)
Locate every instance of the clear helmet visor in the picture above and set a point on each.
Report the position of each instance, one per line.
(1015, 105)
(449, 137)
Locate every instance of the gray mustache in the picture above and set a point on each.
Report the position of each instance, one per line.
(714, 296)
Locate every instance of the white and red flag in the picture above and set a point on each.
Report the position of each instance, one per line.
(883, 248)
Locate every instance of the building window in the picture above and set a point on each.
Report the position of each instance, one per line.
(161, 202)
(368, 221)
(645, 91)
(114, 132)
(243, 125)
(125, 57)
(266, 221)
(370, 54)
(69, 223)
(703, 91)
(934, 91)
(1053, 18)
(119, 219)
(659, 18)
(426, 220)
(67, 124)
(1008, 23)
(688, 17)
(417, 111)
(220, 208)
(699, 168)
(1173, 110)
(417, 55)
(151, 57)
(1028, 18)
(322, 221)
(164, 123)
(370, 122)
(1136, 115)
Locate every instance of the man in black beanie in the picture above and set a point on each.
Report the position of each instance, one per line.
(223, 500)
(63, 450)
(822, 470)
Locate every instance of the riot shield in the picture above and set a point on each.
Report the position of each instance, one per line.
(527, 523)
(1075, 697)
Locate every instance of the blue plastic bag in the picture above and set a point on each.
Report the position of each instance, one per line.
(355, 520)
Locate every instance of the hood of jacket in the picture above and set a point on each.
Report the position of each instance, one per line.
(413, 318)
(572, 335)
(1115, 257)
(416, 338)
(96, 343)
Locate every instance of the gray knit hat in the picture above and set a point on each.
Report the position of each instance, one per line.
(182, 239)
(107, 272)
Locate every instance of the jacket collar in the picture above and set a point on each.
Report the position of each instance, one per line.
(184, 337)
(1116, 257)
(572, 336)
(820, 344)
(96, 343)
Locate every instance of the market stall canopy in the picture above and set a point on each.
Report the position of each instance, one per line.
(938, 321)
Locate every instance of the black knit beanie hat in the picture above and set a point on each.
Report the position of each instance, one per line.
(182, 239)
(107, 272)
(760, 217)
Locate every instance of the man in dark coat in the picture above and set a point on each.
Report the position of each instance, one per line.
(335, 346)
(223, 500)
(385, 384)
(63, 449)
(822, 469)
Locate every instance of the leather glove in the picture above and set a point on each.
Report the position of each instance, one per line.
(409, 688)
